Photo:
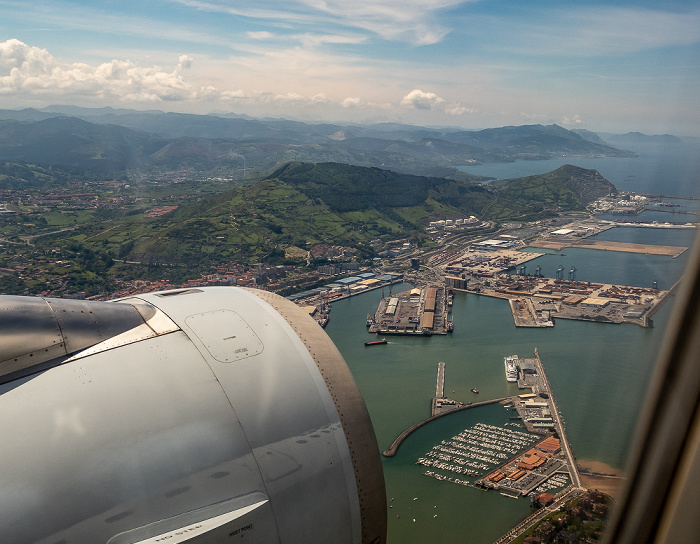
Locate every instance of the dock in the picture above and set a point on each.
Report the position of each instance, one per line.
(538, 301)
(422, 311)
(559, 426)
(440, 385)
(602, 245)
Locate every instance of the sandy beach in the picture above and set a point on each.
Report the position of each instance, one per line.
(603, 477)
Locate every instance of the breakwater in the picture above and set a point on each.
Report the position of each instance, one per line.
(399, 439)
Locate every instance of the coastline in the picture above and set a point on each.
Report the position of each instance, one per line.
(603, 477)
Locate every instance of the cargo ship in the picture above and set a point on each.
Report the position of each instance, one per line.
(376, 342)
(510, 363)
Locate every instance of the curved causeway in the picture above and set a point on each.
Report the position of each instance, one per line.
(399, 439)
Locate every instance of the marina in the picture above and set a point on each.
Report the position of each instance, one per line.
(500, 458)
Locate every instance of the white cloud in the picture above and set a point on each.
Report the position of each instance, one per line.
(413, 21)
(184, 62)
(457, 109)
(575, 120)
(292, 98)
(531, 116)
(262, 35)
(421, 100)
(35, 71)
(351, 102)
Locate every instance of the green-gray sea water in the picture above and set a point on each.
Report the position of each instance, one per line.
(598, 372)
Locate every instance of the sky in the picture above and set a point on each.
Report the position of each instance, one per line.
(618, 67)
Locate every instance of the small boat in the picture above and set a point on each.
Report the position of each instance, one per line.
(475, 390)
(376, 342)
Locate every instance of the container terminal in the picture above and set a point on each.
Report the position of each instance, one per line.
(499, 268)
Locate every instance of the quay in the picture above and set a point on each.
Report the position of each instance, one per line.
(559, 426)
(439, 406)
(625, 247)
(440, 385)
(537, 301)
(498, 267)
(420, 311)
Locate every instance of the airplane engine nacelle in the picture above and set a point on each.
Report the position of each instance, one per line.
(206, 415)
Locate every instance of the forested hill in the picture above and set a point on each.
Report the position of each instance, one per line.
(346, 188)
(566, 188)
(304, 203)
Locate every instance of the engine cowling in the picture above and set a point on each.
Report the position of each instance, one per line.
(195, 415)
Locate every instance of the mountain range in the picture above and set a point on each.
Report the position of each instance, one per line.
(130, 143)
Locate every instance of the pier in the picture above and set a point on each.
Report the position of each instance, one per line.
(419, 311)
(440, 385)
(559, 426)
(603, 245)
(439, 406)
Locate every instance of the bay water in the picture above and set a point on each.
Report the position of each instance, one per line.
(668, 169)
(599, 374)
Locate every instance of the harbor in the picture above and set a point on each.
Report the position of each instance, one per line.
(529, 456)
(536, 301)
(498, 268)
(599, 432)
(472, 359)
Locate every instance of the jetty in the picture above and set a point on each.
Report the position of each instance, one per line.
(405, 434)
(439, 406)
(440, 384)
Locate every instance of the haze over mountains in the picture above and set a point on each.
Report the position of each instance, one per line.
(130, 143)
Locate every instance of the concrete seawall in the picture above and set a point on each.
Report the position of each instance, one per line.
(399, 439)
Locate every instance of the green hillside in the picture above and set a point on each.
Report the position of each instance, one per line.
(567, 188)
(303, 203)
